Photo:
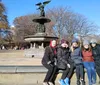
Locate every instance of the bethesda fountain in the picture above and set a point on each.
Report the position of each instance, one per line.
(40, 40)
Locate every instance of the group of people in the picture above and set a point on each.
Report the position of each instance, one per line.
(70, 57)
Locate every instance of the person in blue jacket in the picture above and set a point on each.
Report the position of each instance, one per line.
(76, 56)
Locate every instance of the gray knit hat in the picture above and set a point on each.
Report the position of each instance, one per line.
(86, 42)
(93, 41)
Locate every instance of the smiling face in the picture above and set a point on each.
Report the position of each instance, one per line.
(93, 44)
(75, 44)
(86, 46)
(53, 43)
(64, 45)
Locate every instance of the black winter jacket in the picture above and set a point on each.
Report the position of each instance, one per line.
(96, 52)
(63, 54)
(49, 55)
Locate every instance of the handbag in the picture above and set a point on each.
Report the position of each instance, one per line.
(61, 65)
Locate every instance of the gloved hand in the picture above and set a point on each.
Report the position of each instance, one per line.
(68, 65)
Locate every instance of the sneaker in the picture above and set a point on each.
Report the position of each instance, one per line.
(45, 83)
(93, 84)
(50, 83)
(61, 82)
(90, 83)
(93, 81)
(66, 80)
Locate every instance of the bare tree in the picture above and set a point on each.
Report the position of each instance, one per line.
(57, 16)
(24, 26)
(67, 23)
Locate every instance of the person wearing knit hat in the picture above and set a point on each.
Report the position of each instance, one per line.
(77, 58)
(63, 56)
(88, 62)
(64, 41)
(93, 42)
(96, 55)
(75, 40)
(86, 42)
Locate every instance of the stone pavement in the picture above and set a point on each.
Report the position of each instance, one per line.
(12, 58)
(17, 57)
(29, 79)
(20, 61)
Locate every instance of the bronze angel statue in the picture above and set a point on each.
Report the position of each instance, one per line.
(41, 7)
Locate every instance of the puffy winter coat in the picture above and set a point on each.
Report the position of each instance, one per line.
(96, 52)
(63, 54)
(76, 55)
(49, 55)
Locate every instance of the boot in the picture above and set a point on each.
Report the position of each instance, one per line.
(82, 82)
(66, 81)
(78, 82)
(50, 83)
(61, 82)
(45, 83)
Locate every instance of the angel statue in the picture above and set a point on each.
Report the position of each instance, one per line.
(41, 7)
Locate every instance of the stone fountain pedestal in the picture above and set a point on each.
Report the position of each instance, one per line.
(40, 40)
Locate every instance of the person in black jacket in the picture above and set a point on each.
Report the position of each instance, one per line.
(96, 55)
(63, 55)
(48, 61)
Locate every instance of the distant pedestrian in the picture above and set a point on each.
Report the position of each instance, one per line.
(3, 47)
(88, 62)
(96, 55)
(76, 56)
(48, 61)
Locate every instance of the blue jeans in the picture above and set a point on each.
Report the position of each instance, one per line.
(91, 72)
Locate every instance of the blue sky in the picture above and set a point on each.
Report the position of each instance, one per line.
(88, 8)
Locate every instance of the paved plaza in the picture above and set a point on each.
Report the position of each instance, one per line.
(25, 75)
(17, 57)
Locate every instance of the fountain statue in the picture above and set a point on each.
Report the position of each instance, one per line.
(41, 7)
(40, 40)
(42, 19)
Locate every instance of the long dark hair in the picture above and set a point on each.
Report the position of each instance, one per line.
(89, 49)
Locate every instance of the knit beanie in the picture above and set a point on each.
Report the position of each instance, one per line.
(75, 40)
(86, 42)
(64, 41)
(93, 41)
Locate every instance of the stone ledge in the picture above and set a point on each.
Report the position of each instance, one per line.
(22, 69)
